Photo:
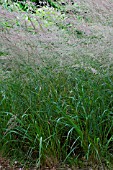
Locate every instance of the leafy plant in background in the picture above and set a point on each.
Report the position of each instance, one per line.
(39, 3)
(19, 5)
(51, 3)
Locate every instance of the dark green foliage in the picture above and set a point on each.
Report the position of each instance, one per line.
(45, 112)
(51, 3)
(40, 3)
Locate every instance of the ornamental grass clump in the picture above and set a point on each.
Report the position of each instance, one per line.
(59, 114)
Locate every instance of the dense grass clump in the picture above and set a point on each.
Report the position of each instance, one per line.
(56, 114)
